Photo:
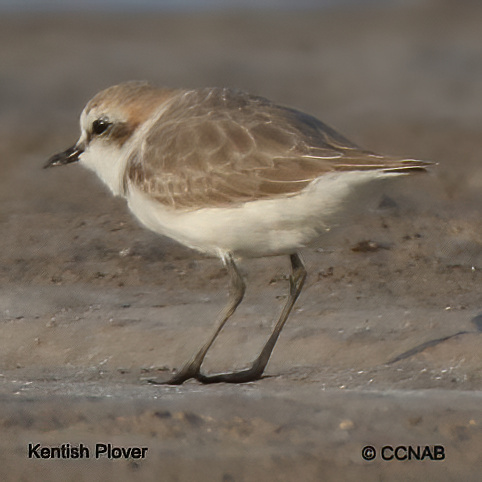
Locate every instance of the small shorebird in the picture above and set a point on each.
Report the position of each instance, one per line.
(229, 174)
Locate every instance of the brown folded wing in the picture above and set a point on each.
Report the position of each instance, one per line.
(218, 147)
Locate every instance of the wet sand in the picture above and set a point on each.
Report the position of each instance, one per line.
(92, 305)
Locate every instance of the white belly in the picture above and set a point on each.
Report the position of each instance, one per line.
(256, 228)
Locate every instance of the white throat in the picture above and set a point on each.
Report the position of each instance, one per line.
(108, 162)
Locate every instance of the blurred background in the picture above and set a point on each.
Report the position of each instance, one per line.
(400, 77)
(365, 67)
(91, 302)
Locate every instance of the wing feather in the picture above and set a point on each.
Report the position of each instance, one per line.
(215, 147)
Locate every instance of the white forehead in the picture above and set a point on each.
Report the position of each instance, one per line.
(114, 113)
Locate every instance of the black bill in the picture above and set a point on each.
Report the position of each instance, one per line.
(70, 155)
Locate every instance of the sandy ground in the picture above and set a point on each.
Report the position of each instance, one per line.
(92, 305)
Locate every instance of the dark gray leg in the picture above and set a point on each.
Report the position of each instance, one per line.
(297, 279)
(237, 289)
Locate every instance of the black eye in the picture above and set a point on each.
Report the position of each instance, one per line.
(99, 126)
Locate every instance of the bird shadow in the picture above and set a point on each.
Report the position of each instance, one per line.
(476, 320)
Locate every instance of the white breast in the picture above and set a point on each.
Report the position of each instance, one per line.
(256, 228)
